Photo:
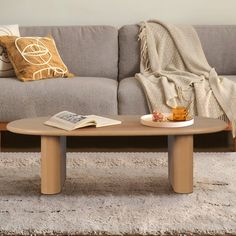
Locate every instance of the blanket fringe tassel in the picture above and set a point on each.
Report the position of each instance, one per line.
(144, 48)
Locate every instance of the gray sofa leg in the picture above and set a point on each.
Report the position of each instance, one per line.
(234, 143)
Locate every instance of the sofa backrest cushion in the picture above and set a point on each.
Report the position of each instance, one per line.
(218, 42)
(86, 50)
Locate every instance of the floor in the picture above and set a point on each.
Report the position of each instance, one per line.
(118, 194)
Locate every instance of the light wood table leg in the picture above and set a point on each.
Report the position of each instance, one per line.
(180, 163)
(53, 164)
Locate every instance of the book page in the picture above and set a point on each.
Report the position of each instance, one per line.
(70, 117)
(103, 121)
(69, 121)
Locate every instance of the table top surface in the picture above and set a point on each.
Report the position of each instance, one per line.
(130, 126)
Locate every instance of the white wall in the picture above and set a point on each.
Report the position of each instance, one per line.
(116, 12)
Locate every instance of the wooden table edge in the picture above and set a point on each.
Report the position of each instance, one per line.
(110, 131)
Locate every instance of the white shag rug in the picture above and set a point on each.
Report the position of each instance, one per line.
(118, 194)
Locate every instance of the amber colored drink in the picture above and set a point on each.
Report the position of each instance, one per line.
(179, 113)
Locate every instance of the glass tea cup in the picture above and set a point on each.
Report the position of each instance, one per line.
(180, 113)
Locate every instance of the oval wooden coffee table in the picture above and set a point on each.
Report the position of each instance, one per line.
(53, 147)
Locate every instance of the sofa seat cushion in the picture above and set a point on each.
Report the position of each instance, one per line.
(230, 77)
(83, 95)
(132, 99)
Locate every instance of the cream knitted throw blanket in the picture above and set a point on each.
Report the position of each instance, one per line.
(174, 71)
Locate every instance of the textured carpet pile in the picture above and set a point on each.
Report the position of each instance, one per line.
(118, 194)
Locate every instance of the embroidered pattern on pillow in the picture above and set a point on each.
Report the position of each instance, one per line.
(37, 54)
(35, 58)
(6, 68)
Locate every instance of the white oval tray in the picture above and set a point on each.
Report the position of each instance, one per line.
(147, 120)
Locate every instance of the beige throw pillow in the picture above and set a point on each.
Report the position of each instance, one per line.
(6, 69)
(34, 58)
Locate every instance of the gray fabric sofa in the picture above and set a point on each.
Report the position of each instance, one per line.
(105, 60)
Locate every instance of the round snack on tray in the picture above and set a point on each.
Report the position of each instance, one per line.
(158, 116)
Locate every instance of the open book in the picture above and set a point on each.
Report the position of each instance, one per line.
(69, 121)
